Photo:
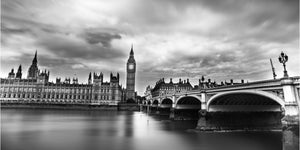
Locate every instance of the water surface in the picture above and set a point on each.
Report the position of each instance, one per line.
(39, 129)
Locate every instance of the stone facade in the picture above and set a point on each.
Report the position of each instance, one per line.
(38, 88)
(162, 88)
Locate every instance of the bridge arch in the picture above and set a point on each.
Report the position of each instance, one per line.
(167, 101)
(155, 102)
(194, 97)
(188, 102)
(245, 97)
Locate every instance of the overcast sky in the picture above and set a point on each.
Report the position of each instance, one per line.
(220, 39)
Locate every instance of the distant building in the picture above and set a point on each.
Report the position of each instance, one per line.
(147, 93)
(162, 88)
(37, 88)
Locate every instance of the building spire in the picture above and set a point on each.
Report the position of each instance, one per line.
(131, 51)
(34, 61)
(90, 76)
(19, 73)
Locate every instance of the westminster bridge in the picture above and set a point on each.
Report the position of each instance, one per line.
(262, 104)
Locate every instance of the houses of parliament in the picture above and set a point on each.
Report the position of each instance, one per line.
(37, 87)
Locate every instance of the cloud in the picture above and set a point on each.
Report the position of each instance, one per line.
(220, 39)
(78, 66)
(95, 37)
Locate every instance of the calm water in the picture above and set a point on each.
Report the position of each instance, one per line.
(28, 129)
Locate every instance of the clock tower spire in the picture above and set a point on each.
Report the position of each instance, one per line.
(130, 82)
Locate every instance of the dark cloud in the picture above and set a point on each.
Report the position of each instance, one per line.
(70, 47)
(95, 37)
(10, 30)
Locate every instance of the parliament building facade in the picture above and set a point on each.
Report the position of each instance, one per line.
(37, 88)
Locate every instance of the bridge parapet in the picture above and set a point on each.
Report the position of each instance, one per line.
(277, 83)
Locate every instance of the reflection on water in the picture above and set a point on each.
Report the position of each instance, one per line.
(26, 129)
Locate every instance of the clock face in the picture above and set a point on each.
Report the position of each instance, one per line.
(131, 66)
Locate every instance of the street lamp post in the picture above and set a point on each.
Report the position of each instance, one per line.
(283, 58)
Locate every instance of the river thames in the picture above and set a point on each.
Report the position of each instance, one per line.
(37, 129)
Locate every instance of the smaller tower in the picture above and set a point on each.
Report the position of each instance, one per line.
(43, 77)
(19, 73)
(75, 80)
(114, 79)
(58, 81)
(90, 78)
(11, 74)
(33, 70)
(98, 79)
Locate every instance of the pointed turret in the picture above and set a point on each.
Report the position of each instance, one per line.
(90, 78)
(131, 51)
(19, 73)
(34, 61)
(33, 70)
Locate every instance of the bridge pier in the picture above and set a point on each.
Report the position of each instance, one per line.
(183, 114)
(153, 109)
(164, 109)
(202, 125)
(172, 114)
(291, 108)
(239, 120)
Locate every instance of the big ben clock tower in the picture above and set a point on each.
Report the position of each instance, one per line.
(130, 82)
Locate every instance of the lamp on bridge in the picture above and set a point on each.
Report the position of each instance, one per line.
(283, 58)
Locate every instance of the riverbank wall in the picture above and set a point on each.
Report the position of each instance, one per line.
(128, 107)
(59, 106)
